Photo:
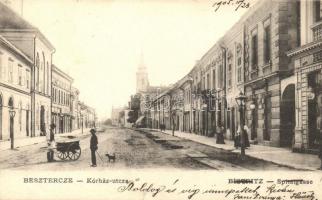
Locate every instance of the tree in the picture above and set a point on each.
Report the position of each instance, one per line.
(133, 116)
(135, 108)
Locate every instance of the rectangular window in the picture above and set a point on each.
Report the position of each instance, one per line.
(318, 10)
(220, 76)
(19, 75)
(208, 82)
(267, 43)
(10, 66)
(239, 72)
(27, 79)
(254, 51)
(229, 74)
(214, 79)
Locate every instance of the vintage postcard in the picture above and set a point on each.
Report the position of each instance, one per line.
(161, 99)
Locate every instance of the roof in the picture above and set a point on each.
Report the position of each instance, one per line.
(61, 72)
(10, 21)
(14, 49)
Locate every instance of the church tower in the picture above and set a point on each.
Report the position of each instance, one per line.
(142, 81)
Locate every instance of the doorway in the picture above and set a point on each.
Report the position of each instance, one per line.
(287, 116)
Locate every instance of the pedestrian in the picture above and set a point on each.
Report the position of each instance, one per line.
(93, 147)
(319, 137)
(237, 138)
(51, 143)
(246, 140)
(220, 135)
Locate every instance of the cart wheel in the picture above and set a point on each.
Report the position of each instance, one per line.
(74, 152)
(62, 155)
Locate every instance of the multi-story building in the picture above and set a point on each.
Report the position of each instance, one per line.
(271, 29)
(61, 110)
(87, 116)
(75, 112)
(15, 91)
(302, 93)
(251, 58)
(26, 83)
(115, 116)
(39, 50)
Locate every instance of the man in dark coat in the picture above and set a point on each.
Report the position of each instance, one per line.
(93, 147)
(51, 144)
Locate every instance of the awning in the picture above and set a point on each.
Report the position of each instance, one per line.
(140, 119)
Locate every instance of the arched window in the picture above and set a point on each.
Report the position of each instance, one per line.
(48, 77)
(10, 102)
(37, 72)
(43, 70)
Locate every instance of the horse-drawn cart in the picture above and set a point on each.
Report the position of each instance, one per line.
(69, 149)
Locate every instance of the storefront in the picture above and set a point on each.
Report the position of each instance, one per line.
(308, 95)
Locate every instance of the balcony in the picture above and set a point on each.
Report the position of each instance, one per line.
(317, 31)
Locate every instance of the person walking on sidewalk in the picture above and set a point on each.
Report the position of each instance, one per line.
(319, 137)
(51, 143)
(220, 135)
(246, 129)
(237, 138)
(93, 146)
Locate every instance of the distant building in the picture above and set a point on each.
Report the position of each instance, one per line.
(61, 100)
(115, 116)
(146, 93)
(75, 112)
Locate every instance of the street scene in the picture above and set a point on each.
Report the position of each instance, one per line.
(135, 149)
(84, 86)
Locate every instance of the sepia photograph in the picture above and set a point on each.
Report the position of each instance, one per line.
(152, 99)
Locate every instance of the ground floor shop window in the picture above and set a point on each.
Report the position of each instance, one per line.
(314, 107)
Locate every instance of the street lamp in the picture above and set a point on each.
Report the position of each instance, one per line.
(81, 116)
(240, 99)
(173, 114)
(205, 127)
(12, 114)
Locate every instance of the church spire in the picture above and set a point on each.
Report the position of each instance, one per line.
(142, 81)
(141, 64)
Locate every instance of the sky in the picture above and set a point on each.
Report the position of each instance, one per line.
(99, 42)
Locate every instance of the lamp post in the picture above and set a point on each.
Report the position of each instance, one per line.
(12, 114)
(240, 99)
(252, 108)
(205, 109)
(173, 114)
(81, 116)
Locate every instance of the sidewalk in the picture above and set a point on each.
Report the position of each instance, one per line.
(281, 156)
(21, 142)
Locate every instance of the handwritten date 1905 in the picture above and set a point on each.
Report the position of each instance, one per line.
(237, 3)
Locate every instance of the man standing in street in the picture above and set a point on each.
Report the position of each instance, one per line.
(51, 144)
(93, 147)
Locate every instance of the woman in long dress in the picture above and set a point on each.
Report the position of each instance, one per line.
(246, 136)
(237, 138)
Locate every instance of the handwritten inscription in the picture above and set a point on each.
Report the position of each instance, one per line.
(237, 4)
(256, 191)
